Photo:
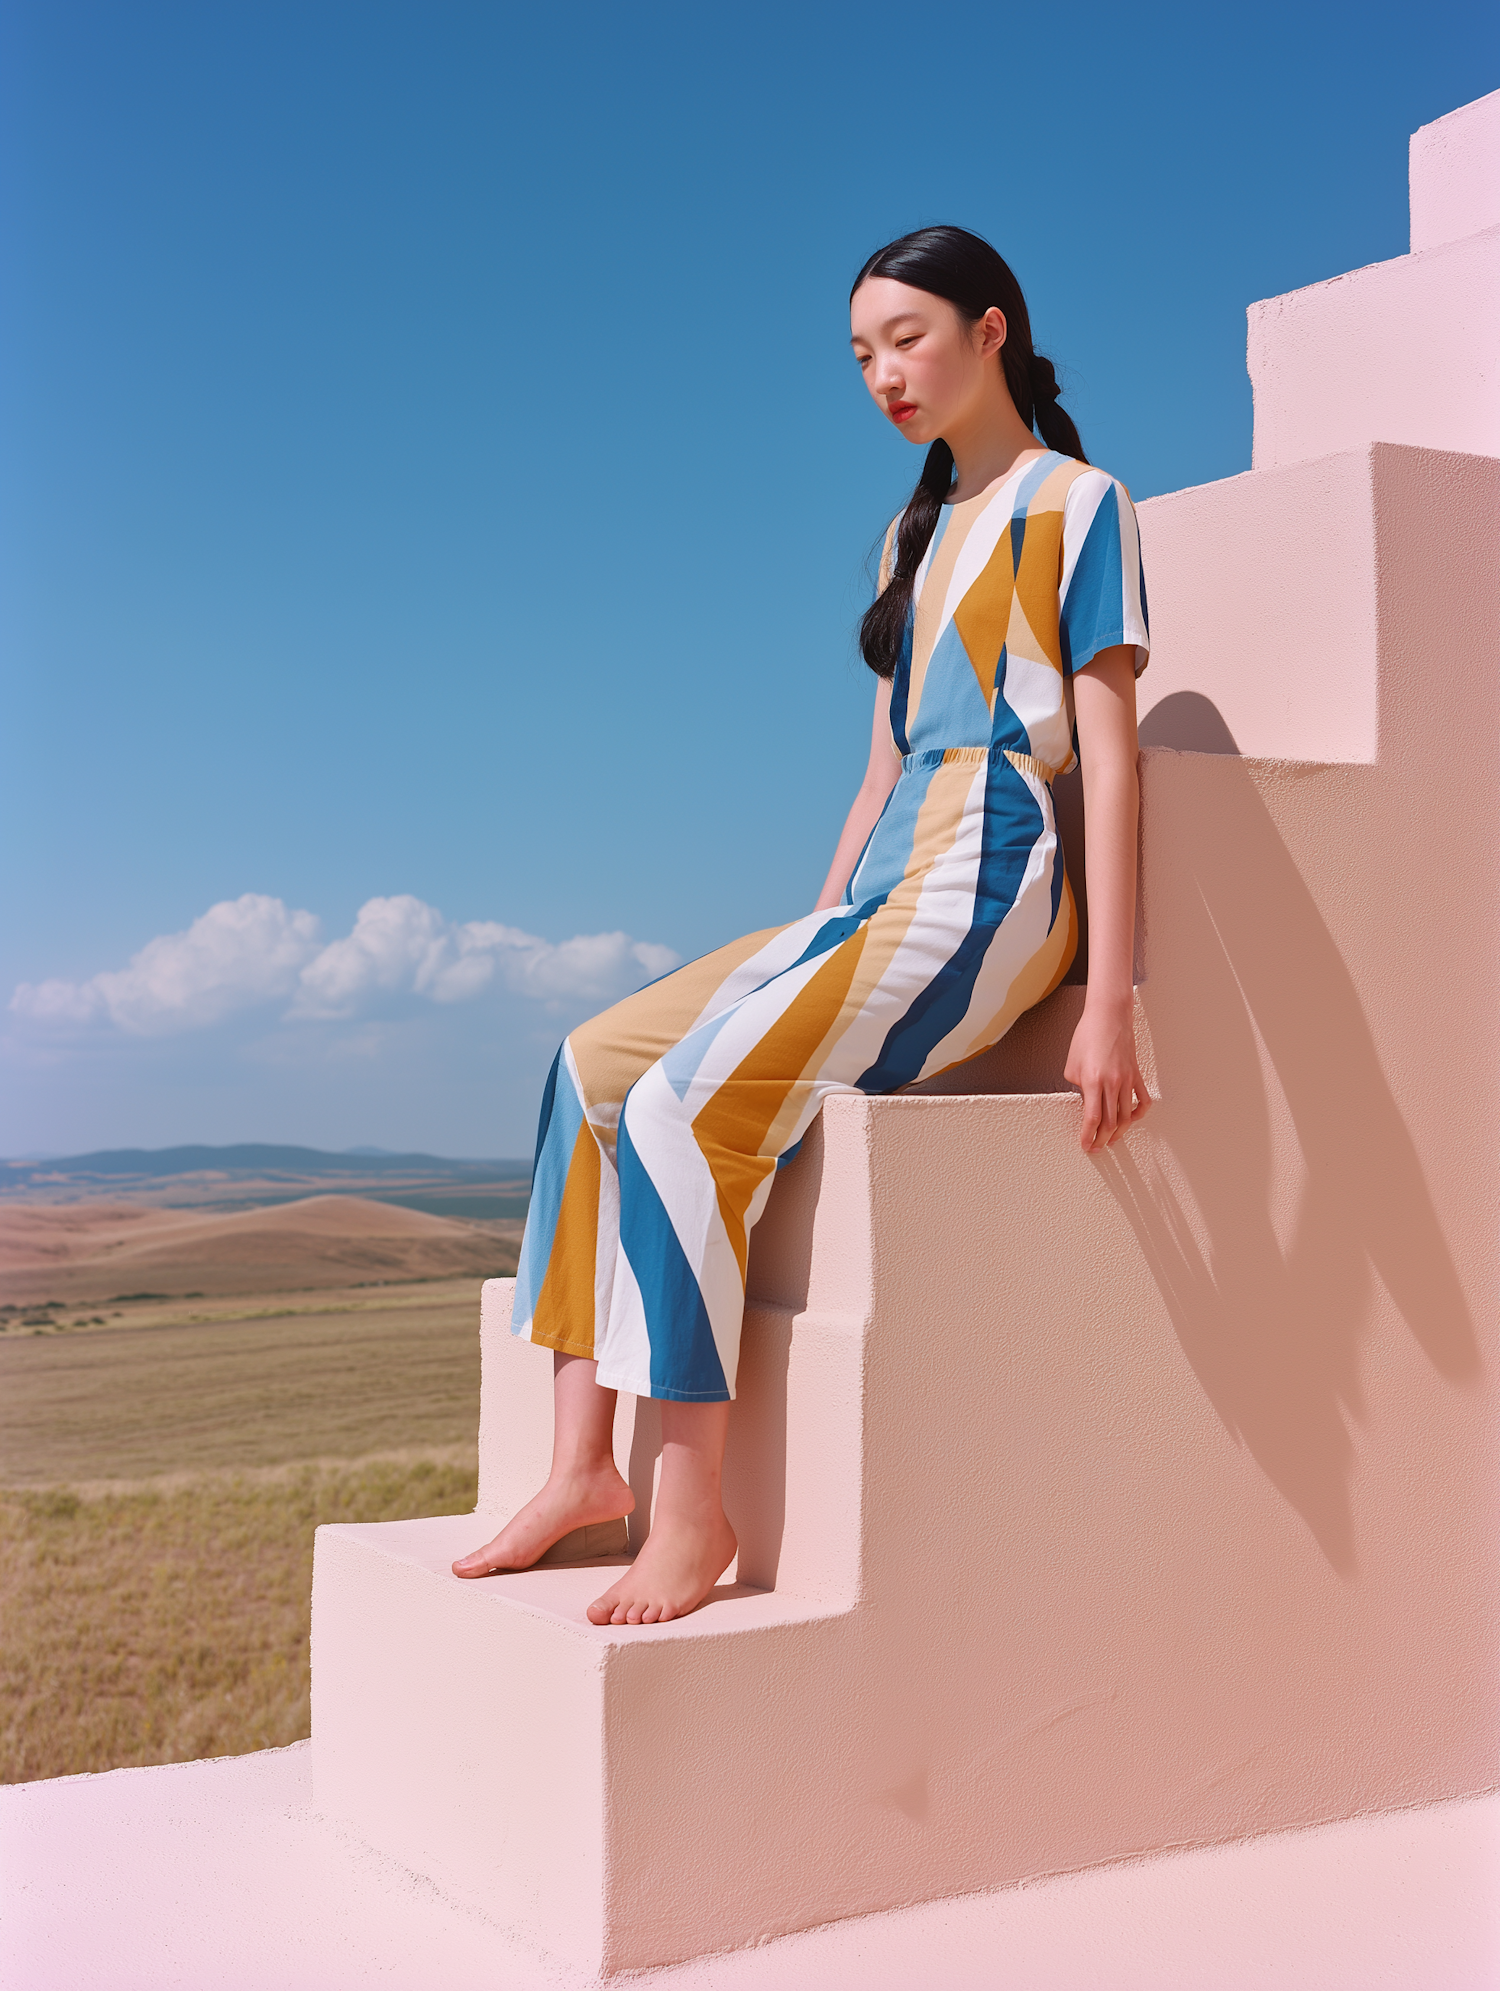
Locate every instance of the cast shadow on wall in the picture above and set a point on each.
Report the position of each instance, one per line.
(1276, 1182)
(1185, 721)
(1273, 1187)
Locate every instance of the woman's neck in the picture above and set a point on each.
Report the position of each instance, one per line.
(988, 447)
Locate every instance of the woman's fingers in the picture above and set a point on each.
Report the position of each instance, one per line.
(1111, 1107)
(1125, 1113)
(1109, 1116)
(1100, 1115)
(1093, 1098)
(1134, 1104)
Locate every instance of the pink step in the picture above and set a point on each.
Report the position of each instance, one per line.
(1454, 172)
(1404, 351)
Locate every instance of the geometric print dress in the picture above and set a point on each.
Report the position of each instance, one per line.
(665, 1118)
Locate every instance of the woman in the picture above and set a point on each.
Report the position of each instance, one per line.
(1010, 605)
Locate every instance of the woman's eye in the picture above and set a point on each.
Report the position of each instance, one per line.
(909, 340)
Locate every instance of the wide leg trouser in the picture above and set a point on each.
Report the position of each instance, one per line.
(665, 1118)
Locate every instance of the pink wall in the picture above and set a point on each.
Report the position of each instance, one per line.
(1454, 172)
(1275, 661)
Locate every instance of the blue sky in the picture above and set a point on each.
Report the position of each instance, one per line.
(434, 474)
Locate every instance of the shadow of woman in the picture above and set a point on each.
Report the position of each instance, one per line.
(1277, 1180)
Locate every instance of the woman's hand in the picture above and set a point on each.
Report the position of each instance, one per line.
(1103, 1065)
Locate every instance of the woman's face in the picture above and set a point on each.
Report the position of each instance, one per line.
(928, 370)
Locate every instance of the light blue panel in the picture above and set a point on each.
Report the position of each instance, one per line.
(562, 1116)
(952, 711)
(884, 863)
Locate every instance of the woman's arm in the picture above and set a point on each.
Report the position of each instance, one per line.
(1102, 1061)
(880, 779)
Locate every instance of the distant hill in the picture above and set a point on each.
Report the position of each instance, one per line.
(255, 1174)
(254, 1158)
(102, 1249)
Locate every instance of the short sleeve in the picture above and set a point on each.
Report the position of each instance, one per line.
(1102, 591)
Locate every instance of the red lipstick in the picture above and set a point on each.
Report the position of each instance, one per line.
(902, 411)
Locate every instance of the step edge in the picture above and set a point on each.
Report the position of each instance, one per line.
(486, 1593)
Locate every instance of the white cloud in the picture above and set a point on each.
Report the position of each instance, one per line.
(251, 951)
(401, 943)
(239, 953)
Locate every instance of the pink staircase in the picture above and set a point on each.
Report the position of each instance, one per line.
(1089, 1508)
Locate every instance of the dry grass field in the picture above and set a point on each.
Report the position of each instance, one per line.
(164, 1461)
(162, 1621)
(266, 1380)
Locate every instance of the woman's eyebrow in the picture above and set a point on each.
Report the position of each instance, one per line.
(901, 318)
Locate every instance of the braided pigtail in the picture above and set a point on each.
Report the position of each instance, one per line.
(1049, 418)
(883, 626)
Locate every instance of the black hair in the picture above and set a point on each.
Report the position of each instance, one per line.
(963, 268)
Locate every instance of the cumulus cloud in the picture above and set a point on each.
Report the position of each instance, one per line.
(239, 953)
(401, 943)
(251, 951)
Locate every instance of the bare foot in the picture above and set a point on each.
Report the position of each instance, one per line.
(573, 1500)
(674, 1572)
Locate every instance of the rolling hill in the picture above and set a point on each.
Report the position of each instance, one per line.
(256, 1175)
(95, 1250)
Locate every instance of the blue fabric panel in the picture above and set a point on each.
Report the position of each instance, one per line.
(1013, 821)
(1006, 731)
(685, 1363)
(681, 1062)
(1032, 482)
(1012, 824)
(884, 863)
(952, 707)
(544, 1118)
(901, 689)
(557, 1134)
(834, 931)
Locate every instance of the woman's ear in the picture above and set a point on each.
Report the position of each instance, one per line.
(993, 330)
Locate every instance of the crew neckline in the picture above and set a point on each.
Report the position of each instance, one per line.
(992, 491)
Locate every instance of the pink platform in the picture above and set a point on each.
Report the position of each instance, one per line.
(223, 1877)
(1130, 1515)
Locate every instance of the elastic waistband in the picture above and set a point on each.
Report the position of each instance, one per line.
(972, 756)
